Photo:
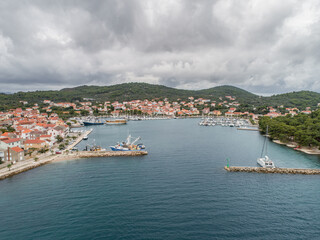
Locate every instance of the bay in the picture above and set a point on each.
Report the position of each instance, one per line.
(178, 191)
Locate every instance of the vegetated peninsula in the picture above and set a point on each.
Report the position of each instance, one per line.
(298, 130)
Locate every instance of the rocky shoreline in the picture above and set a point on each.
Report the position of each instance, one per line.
(307, 150)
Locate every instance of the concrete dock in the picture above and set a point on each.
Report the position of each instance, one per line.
(79, 139)
(248, 129)
(305, 171)
(90, 154)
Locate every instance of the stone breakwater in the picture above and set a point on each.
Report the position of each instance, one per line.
(88, 154)
(63, 157)
(274, 170)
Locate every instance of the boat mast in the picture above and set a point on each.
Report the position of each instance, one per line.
(264, 144)
(266, 140)
(137, 139)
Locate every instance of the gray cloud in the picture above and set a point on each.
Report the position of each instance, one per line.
(262, 46)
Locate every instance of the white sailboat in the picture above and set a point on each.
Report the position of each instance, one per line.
(265, 161)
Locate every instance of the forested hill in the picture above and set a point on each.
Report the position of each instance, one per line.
(132, 91)
(125, 92)
(301, 99)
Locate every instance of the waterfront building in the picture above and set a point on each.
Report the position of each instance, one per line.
(14, 154)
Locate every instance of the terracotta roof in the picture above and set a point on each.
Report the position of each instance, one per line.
(45, 136)
(27, 131)
(12, 140)
(33, 141)
(17, 149)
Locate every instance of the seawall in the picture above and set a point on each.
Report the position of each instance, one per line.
(305, 171)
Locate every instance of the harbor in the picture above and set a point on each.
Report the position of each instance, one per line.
(182, 171)
(67, 154)
(304, 171)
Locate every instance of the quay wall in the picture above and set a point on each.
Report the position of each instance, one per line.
(305, 171)
(89, 154)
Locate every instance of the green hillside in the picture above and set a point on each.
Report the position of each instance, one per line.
(301, 99)
(132, 91)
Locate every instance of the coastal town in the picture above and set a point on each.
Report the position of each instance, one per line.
(42, 129)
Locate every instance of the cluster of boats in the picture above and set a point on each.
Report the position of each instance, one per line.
(131, 144)
(89, 121)
(224, 122)
(138, 118)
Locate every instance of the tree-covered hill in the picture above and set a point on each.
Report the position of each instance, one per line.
(132, 91)
(301, 99)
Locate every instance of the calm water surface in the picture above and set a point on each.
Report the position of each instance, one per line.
(178, 191)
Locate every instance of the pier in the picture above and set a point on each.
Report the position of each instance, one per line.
(248, 129)
(304, 171)
(91, 154)
(79, 139)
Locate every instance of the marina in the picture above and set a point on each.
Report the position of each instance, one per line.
(226, 122)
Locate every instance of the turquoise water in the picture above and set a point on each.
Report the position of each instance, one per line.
(178, 191)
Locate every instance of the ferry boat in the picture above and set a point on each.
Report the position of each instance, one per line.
(265, 161)
(92, 121)
(116, 122)
(128, 145)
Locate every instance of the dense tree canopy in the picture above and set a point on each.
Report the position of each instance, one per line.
(302, 129)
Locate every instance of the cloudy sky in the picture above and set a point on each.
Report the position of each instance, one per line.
(261, 46)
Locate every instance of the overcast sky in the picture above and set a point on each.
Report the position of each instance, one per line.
(261, 46)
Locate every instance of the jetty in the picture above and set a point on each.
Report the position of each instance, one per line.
(248, 129)
(79, 139)
(305, 171)
(92, 154)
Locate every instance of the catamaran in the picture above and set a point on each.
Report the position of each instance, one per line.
(128, 145)
(265, 161)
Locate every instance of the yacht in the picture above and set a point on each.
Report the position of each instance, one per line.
(265, 161)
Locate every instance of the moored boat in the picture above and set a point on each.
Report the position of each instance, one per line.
(128, 145)
(265, 161)
(116, 122)
(92, 121)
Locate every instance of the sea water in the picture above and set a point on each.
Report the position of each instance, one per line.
(178, 191)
